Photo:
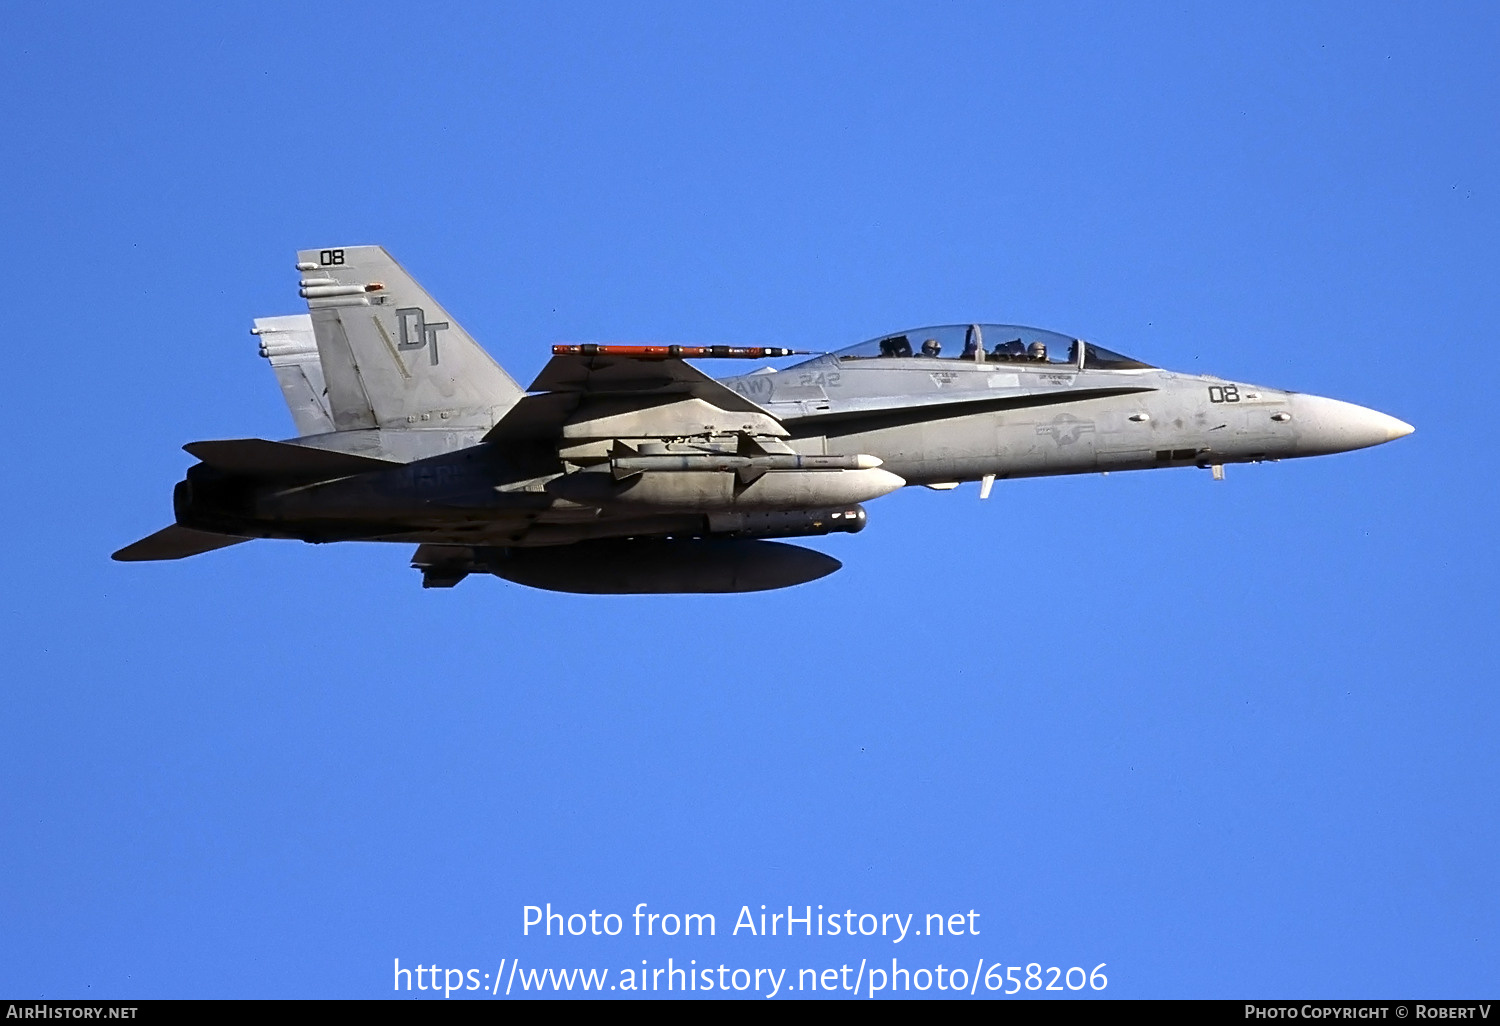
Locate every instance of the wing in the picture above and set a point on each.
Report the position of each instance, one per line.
(602, 395)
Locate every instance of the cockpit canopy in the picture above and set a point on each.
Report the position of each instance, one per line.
(1000, 343)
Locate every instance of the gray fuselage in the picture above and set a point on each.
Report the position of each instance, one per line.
(1108, 419)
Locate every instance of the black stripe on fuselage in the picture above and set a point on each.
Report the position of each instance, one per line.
(845, 422)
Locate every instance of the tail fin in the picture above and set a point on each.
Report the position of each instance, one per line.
(289, 344)
(391, 356)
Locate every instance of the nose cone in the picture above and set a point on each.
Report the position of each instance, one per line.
(1328, 426)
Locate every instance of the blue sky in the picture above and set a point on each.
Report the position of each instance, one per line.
(1230, 739)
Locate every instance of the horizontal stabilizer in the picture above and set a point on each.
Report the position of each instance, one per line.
(258, 457)
(175, 542)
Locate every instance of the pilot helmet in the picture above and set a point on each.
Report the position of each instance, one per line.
(931, 347)
(1037, 350)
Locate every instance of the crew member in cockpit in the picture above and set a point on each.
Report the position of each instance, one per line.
(931, 347)
(1037, 351)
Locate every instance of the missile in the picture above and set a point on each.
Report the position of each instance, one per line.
(747, 466)
(679, 352)
(702, 488)
(799, 523)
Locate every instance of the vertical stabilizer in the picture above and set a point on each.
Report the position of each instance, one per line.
(289, 344)
(391, 356)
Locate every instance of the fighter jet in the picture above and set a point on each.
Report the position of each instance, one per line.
(624, 469)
